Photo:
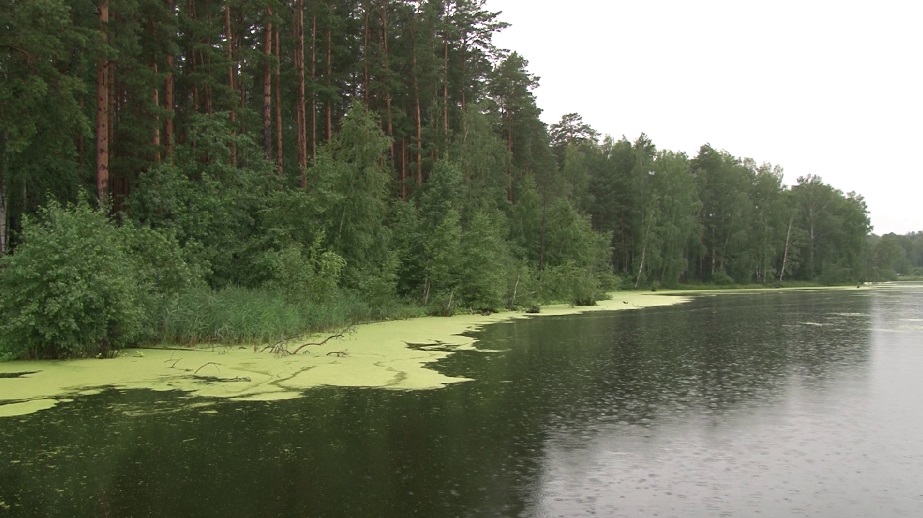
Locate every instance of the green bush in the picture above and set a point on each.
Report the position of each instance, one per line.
(377, 286)
(161, 265)
(570, 283)
(485, 264)
(722, 279)
(311, 274)
(71, 288)
(207, 203)
(79, 285)
(834, 274)
(522, 286)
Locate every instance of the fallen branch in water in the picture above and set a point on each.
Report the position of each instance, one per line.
(206, 365)
(277, 347)
(325, 340)
(216, 379)
(280, 346)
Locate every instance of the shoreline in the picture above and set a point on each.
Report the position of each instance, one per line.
(392, 355)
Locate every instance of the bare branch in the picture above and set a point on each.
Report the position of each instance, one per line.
(281, 348)
(206, 365)
(276, 347)
(325, 340)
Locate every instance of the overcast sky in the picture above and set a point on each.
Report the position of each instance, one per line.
(830, 88)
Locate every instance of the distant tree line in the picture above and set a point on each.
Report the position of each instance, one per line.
(366, 155)
(892, 256)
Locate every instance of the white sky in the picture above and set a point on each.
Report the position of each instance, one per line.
(831, 88)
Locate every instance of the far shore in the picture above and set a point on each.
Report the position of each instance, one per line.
(389, 355)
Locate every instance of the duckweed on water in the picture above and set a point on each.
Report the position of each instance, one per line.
(389, 355)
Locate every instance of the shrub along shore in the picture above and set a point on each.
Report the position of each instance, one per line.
(81, 285)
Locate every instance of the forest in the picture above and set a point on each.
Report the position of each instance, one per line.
(193, 171)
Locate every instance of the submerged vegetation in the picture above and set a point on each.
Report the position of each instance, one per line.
(253, 179)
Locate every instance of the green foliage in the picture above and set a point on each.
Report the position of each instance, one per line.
(510, 88)
(522, 286)
(407, 248)
(442, 194)
(569, 237)
(442, 251)
(571, 131)
(722, 182)
(834, 227)
(378, 286)
(570, 283)
(300, 274)
(209, 204)
(485, 264)
(672, 218)
(351, 191)
(160, 262)
(79, 285)
(578, 165)
(526, 224)
(483, 160)
(889, 257)
(721, 278)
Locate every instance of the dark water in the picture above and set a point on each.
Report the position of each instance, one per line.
(776, 404)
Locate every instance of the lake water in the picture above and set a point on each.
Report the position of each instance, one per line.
(775, 404)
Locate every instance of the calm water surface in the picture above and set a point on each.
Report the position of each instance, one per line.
(775, 404)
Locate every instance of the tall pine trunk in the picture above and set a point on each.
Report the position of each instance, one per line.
(389, 122)
(278, 88)
(4, 166)
(445, 94)
(232, 78)
(169, 103)
(328, 108)
(418, 122)
(81, 143)
(155, 139)
(193, 64)
(419, 145)
(404, 168)
(3, 239)
(365, 61)
(207, 89)
(314, 88)
(102, 108)
(509, 150)
(300, 108)
(168, 97)
(115, 181)
(267, 83)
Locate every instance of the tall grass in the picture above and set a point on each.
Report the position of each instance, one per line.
(241, 315)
